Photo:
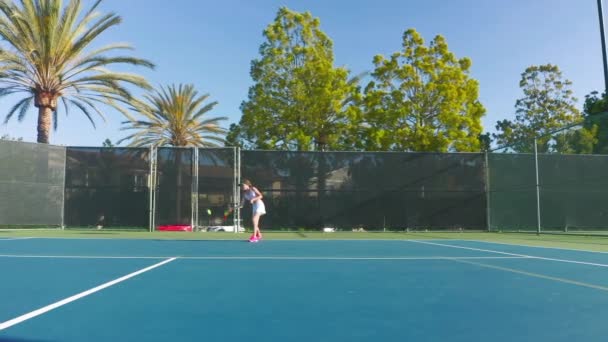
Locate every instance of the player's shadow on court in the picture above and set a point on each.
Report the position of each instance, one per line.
(11, 339)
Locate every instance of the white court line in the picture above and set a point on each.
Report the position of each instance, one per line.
(535, 275)
(17, 238)
(244, 238)
(341, 258)
(25, 256)
(73, 298)
(18, 256)
(533, 246)
(511, 254)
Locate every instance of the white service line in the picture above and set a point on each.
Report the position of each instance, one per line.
(73, 298)
(343, 258)
(534, 246)
(18, 256)
(511, 254)
(535, 275)
(34, 256)
(467, 248)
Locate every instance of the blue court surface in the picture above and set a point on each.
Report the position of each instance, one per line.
(380, 290)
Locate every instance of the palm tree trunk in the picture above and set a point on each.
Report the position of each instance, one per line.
(45, 115)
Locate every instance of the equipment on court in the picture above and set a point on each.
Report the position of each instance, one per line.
(174, 228)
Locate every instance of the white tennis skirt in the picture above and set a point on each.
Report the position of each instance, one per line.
(259, 208)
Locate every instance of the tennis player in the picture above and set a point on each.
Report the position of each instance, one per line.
(254, 196)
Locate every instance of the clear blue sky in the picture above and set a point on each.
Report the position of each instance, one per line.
(211, 44)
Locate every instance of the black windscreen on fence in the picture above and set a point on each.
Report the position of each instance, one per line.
(31, 184)
(368, 190)
(107, 187)
(216, 183)
(174, 186)
(512, 181)
(44, 186)
(574, 191)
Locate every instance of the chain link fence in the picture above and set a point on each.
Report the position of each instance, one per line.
(145, 188)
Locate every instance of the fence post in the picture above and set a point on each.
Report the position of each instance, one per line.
(237, 192)
(488, 192)
(194, 191)
(151, 189)
(65, 173)
(538, 222)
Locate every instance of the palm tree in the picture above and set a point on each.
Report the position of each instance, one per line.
(175, 116)
(48, 59)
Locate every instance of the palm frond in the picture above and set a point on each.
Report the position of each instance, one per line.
(24, 109)
(50, 52)
(55, 120)
(16, 108)
(174, 115)
(84, 110)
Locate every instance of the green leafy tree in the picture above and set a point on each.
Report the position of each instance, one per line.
(236, 137)
(548, 105)
(299, 100)
(596, 118)
(107, 143)
(174, 116)
(576, 140)
(48, 59)
(8, 137)
(485, 141)
(421, 98)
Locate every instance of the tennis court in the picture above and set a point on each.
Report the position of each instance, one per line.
(302, 290)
